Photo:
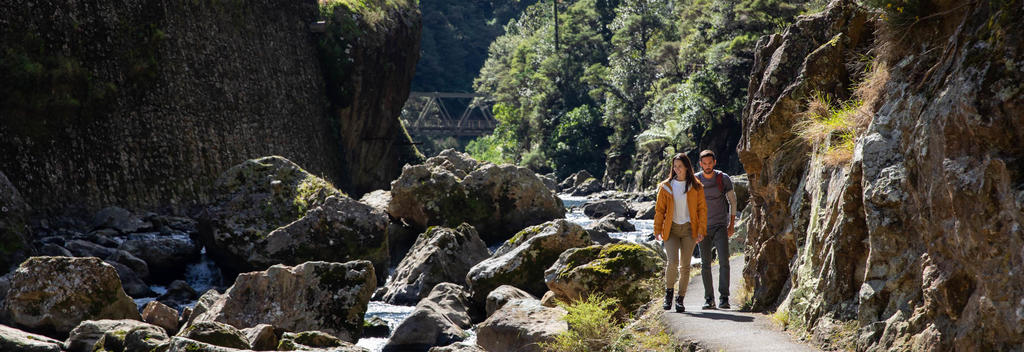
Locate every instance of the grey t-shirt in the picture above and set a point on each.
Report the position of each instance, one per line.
(718, 205)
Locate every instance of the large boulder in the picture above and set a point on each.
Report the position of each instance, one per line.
(214, 333)
(599, 209)
(164, 253)
(14, 232)
(504, 294)
(612, 223)
(588, 187)
(161, 315)
(439, 255)
(134, 336)
(262, 337)
(620, 271)
(54, 294)
(330, 297)
(520, 326)
(260, 195)
(569, 183)
(450, 189)
(438, 320)
(92, 333)
(522, 260)
(12, 339)
(458, 347)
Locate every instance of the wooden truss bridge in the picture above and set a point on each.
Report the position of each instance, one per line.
(426, 114)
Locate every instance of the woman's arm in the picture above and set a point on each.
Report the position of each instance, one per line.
(660, 207)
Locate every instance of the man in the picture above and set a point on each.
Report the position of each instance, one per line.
(721, 203)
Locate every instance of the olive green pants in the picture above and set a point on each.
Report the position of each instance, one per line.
(679, 247)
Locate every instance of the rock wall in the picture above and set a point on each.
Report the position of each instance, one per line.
(144, 103)
(915, 243)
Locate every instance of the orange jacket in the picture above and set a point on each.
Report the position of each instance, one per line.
(666, 204)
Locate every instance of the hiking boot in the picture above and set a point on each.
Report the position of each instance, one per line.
(724, 303)
(679, 304)
(668, 300)
(708, 304)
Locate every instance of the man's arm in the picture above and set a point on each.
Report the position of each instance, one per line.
(731, 196)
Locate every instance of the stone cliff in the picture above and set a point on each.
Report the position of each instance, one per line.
(912, 241)
(143, 103)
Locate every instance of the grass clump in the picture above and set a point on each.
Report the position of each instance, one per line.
(831, 128)
(593, 326)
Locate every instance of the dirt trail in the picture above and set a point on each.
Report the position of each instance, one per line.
(727, 330)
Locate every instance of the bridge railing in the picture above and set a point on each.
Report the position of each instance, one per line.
(430, 116)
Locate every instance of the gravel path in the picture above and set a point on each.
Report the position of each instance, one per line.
(727, 330)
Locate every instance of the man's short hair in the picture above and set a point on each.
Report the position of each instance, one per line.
(707, 152)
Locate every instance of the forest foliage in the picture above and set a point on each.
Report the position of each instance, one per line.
(661, 70)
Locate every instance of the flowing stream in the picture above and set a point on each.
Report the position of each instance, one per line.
(394, 314)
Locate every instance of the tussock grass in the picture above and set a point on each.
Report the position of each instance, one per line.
(594, 327)
(829, 127)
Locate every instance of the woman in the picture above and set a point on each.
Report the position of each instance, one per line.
(680, 220)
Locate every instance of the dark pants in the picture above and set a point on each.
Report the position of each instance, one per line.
(718, 238)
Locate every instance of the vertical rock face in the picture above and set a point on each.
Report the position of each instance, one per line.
(13, 230)
(776, 161)
(143, 104)
(916, 242)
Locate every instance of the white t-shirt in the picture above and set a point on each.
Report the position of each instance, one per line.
(681, 214)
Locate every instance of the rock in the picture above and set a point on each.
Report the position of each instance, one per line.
(376, 327)
(307, 340)
(119, 219)
(520, 325)
(178, 294)
(614, 270)
(611, 223)
(134, 336)
(588, 187)
(12, 339)
(89, 333)
(569, 183)
(439, 255)
(164, 253)
(521, 261)
(440, 319)
(494, 199)
(130, 281)
(503, 294)
(56, 293)
(214, 333)
(329, 297)
(549, 181)
(458, 347)
(181, 344)
(83, 248)
(645, 210)
(262, 337)
(251, 200)
(458, 163)
(161, 315)
(137, 265)
(601, 236)
(14, 231)
(52, 250)
(741, 185)
(378, 199)
(599, 209)
(549, 300)
(401, 237)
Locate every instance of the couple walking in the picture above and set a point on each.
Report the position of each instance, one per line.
(695, 208)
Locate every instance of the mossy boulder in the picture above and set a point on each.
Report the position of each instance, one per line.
(439, 255)
(51, 295)
(308, 340)
(14, 233)
(12, 339)
(452, 188)
(521, 325)
(614, 270)
(218, 334)
(328, 297)
(132, 336)
(522, 260)
(270, 211)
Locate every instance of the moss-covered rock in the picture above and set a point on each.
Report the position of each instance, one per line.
(328, 297)
(270, 211)
(12, 339)
(54, 294)
(439, 255)
(619, 271)
(217, 334)
(307, 340)
(522, 265)
(452, 188)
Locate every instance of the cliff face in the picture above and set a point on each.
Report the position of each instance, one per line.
(915, 242)
(144, 103)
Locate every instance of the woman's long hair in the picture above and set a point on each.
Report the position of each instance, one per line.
(691, 181)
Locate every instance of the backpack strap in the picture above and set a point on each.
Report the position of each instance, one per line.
(718, 179)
